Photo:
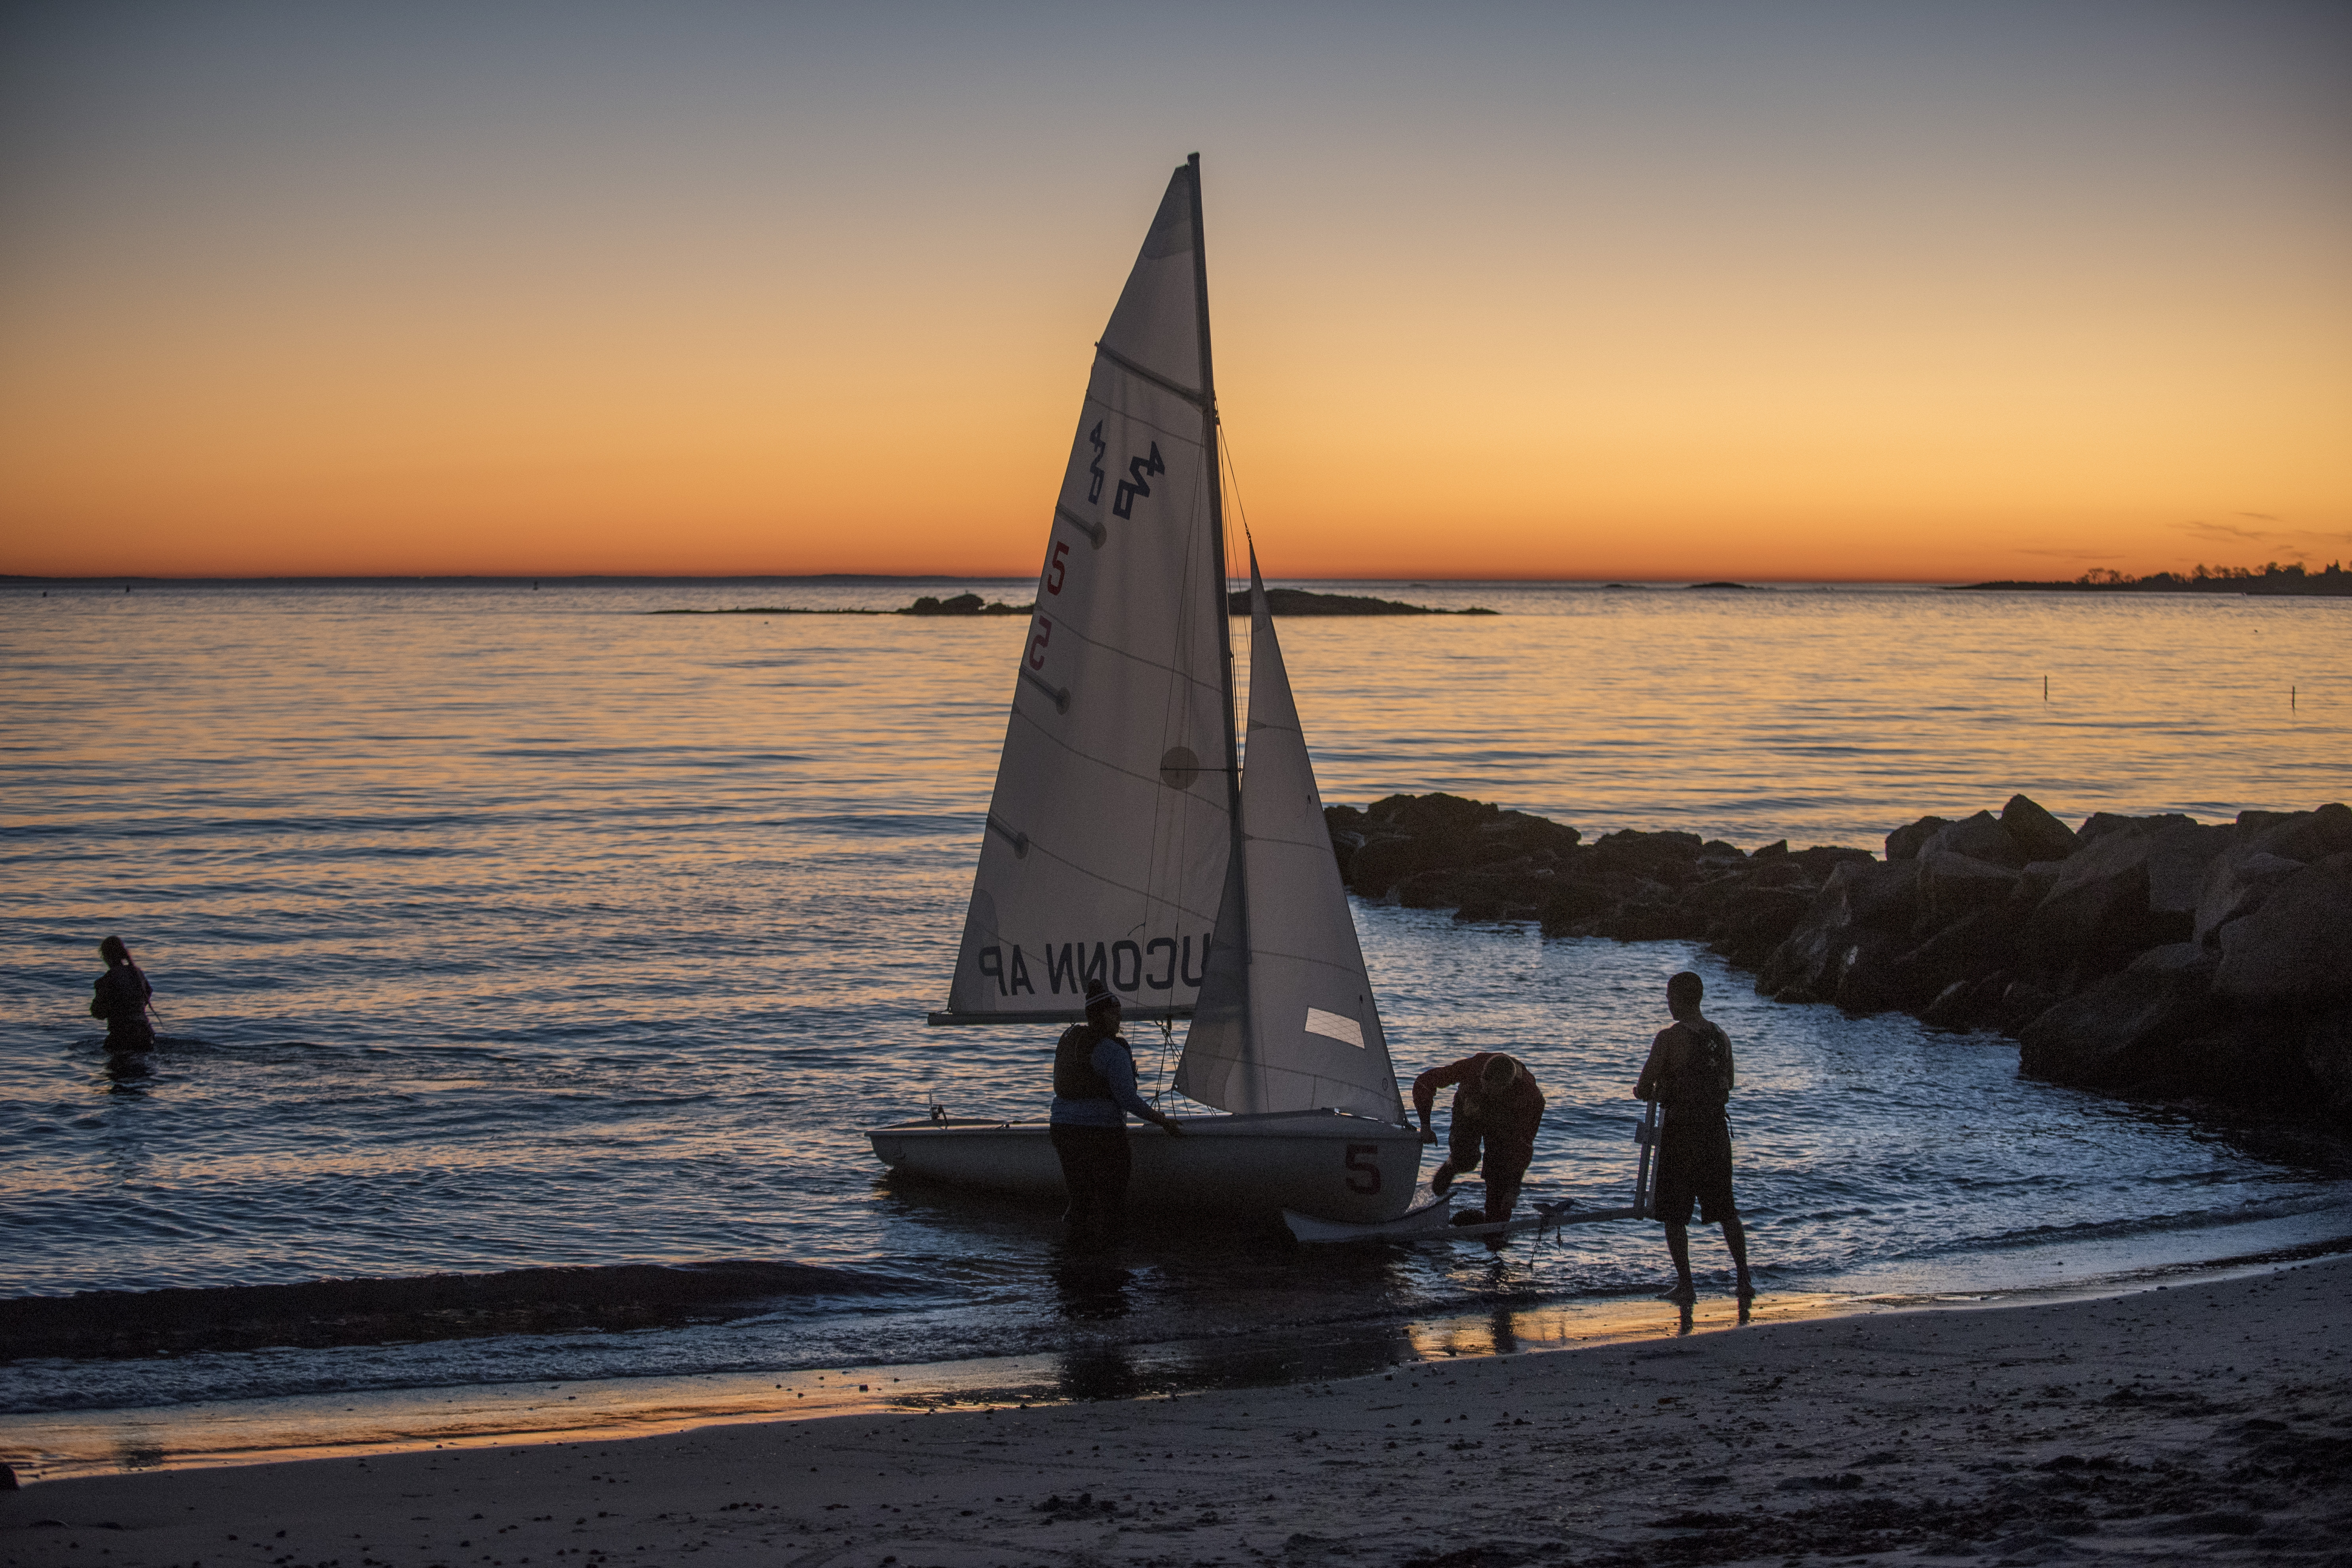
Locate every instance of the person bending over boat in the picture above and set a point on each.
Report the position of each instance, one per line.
(1689, 1075)
(122, 994)
(1498, 1104)
(1094, 1092)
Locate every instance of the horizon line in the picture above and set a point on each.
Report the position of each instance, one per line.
(851, 577)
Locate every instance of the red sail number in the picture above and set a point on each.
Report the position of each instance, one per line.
(1037, 642)
(1056, 567)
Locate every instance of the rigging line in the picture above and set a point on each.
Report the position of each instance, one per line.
(1230, 567)
(1225, 452)
(1227, 466)
(1167, 1043)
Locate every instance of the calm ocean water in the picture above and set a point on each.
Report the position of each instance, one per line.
(495, 928)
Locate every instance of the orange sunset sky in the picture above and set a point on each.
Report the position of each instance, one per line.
(1670, 292)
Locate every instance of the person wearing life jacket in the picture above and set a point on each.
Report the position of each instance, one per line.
(1496, 1104)
(1094, 1093)
(1689, 1075)
(122, 994)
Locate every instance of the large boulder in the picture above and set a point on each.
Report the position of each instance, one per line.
(2123, 1033)
(2236, 883)
(2298, 834)
(1666, 857)
(1403, 837)
(2100, 823)
(1904, 843)
(1880, 897)
(1384, 860)
(1952, 885)
(1437, 888)
(2036, 881)
(1511, 890)
(1862, 898)
(1968, 1004)
(2296, 950)
(1860, 976)
(1980, 837)
(1748, 925)
(2178, 856)
(1969, 949)
(2041, 835)
(2248, 1059)
(2327, 1056)
(2098, 912)
(1570, 906)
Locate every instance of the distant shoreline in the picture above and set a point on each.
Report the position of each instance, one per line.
(2291, 583)
(2274, 583)
(1279, 601)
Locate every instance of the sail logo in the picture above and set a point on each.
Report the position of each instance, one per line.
(1095, 440)
(1138, 482)
(1129, 966)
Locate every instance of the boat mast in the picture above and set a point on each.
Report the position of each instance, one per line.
(1237, 876)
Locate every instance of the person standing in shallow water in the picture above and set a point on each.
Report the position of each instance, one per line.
(122, 999)
(1093, 1092)
(1689, 1075)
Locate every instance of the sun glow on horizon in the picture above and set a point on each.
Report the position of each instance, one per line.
(1595, 300)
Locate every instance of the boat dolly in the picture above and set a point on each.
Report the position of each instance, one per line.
(1435, 1220)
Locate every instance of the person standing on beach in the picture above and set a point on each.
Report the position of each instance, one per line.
(1689, 1075)
(1497, 1105)
(122, 994)
(1094, 1093)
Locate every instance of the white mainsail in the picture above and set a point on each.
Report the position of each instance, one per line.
(1285, 1020)
(1108, 831)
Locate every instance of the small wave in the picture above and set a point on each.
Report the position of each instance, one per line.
(2153, 1224)
(317, 1314)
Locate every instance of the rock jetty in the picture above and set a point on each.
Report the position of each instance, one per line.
(2152, 956)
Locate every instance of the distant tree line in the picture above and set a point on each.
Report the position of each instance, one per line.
(2269, 578)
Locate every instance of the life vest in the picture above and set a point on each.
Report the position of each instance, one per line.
(1074, 1076)
(1699, 1082)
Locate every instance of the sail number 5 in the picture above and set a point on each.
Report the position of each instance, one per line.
(1037, 641)
(1056, 567)
(1363, 1159)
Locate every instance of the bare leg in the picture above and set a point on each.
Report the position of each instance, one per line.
(1735, 1236)
(1678, 1249)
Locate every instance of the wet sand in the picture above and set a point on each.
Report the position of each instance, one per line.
(2207, 1422)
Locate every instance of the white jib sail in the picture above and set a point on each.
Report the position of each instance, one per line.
(1106, 838)
(1285, 1020)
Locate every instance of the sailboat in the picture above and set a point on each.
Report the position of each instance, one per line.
(1125, 840)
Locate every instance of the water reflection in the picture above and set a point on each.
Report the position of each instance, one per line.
(126, 1070)
(1100, 1372)
(1092, 1291)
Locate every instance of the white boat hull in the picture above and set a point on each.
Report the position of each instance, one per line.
(1334, 1166)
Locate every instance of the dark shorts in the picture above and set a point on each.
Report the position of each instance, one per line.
(1693, 1165)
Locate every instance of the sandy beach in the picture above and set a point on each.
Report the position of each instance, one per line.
(2205, 1421)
